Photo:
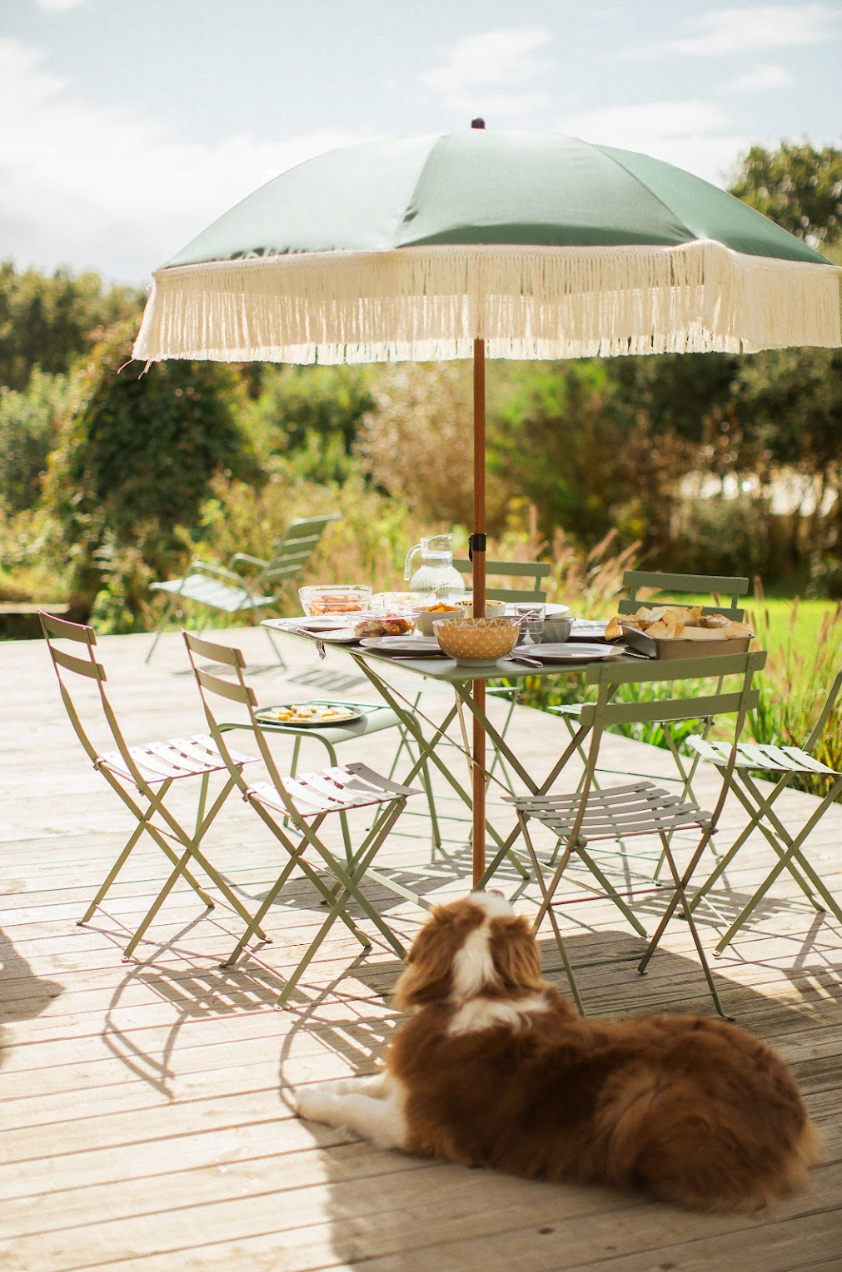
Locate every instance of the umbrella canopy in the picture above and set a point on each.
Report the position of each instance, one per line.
(511, 245)
(541, 245)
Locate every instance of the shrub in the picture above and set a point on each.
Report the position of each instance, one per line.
(132, 471)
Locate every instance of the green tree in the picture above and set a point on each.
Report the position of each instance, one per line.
(797, 186)
(31, 422)
(558, 440)
(127, 483)
(313, 412)
(49, 322)
(792, 400)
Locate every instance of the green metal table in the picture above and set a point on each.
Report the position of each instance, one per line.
(373, 664)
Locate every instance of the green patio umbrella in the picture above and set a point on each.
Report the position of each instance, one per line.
(481, 244)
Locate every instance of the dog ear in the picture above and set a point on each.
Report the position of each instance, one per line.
(515, 953)
(429, 974)
(427, 977)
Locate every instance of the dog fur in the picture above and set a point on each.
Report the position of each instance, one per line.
(496, 1069)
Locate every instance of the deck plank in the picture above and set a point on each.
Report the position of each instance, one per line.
(142, 1106)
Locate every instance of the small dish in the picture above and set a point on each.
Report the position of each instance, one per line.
(424, 618)
(309, 715)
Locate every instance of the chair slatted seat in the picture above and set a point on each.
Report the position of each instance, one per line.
(248, 584)
(582, 818)
(779, 764)
(671, 589)
(150, 770)
(294, 809)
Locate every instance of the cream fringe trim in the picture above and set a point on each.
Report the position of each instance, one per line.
(428, 304)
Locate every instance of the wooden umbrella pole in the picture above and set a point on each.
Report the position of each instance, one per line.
(478, 562)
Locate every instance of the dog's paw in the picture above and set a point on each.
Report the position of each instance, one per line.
(315, 1104)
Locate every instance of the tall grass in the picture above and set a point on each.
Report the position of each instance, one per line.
(800, 670)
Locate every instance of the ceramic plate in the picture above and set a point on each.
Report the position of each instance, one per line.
(587, 629)
(309, 715)
(570, 652)
(406, 646)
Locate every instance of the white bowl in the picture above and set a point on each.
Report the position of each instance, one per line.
(424, 619)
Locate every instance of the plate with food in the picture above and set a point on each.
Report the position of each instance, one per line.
(309, 715)
(407, 647)
(680, 631)
(383, 625)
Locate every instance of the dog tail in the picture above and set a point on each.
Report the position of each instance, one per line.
(705, 1154)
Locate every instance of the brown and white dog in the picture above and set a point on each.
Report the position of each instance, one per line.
(495, 1068)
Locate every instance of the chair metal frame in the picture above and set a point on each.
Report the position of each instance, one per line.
(538, 572)
(233, 590)
(712, 585)
(637, 808)
(151, 770)
(780, 764)
(376, 718)
(294, 809)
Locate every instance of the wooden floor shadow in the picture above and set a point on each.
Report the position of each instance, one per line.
(420, 1223)
(23, 994)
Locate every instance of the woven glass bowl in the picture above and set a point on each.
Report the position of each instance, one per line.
(475, 642)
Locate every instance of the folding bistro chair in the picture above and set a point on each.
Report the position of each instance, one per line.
(635, 808)
(248, 584)
(150, 770)
(526, 582)
(671, 589)
(372, 719)
(778, 764)
(296, 808)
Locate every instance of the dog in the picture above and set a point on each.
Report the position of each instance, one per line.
(496, 1069)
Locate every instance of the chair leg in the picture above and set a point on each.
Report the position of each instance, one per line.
(785, 863)
(346, 892)
(548, 909)
(168, 608)
(681, 896)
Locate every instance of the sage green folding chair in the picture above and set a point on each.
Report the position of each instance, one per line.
(638, 808)
(150, 770)
(530, 577)
(525, 581)
(248, 585)
(296, 808)
(672, 589)
(779, 765)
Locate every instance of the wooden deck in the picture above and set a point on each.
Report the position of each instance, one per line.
(143, 1106)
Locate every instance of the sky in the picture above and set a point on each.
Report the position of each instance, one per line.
(130, 125)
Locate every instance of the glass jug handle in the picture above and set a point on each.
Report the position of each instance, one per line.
(407, 569)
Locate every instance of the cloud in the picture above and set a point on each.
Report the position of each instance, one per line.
(59, 6)
(761, 79)
(730, 31)
(108, 189)
(477, 67)
(695, 134)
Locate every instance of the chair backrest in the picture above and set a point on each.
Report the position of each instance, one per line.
(678, 586)
(533, 572)
(294, 549)
(829, 704)
(737, 700)
(85, 664)
(609, 676)
(213, 687)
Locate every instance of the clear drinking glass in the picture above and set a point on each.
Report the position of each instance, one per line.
(532, 622)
